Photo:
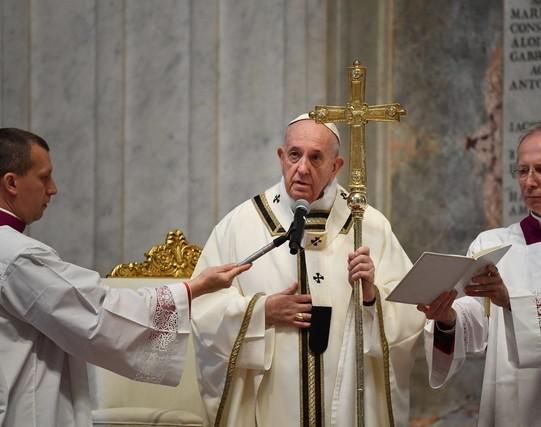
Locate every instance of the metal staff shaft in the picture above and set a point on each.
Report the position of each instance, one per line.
(359, 340)
(357, 204)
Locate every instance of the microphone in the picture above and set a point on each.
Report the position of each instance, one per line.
(302, 207)
(260, 252)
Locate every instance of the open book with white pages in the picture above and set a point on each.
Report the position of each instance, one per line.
(434, 273)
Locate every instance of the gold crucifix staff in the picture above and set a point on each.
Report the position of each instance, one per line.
(357, 113)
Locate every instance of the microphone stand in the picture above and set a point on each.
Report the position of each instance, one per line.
(294, 234)
(280, 240)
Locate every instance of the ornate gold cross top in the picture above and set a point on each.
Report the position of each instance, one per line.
(357, 113)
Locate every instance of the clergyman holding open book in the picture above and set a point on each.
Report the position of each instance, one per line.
(511, 329)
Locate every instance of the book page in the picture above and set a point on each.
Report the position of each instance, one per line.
(482, 259)
(432, 274)
(495, 250)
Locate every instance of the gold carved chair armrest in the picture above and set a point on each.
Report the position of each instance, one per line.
(174, 258)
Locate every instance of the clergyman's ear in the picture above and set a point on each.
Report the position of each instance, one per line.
(338, 163)
(9, 182)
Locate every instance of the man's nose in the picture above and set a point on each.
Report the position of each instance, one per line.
(52, 188)
(304, 165)
(531, 179)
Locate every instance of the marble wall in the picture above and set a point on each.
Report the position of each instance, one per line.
(446, 61)
(446, 156)
(158, 117)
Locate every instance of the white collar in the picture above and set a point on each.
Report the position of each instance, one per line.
(324, 203)
(10, 213)
(537, 217)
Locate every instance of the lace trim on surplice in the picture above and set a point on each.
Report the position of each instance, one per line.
(161, 339)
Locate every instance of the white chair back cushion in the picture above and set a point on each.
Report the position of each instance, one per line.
(114, 391)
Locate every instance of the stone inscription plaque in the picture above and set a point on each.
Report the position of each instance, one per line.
(521, 91)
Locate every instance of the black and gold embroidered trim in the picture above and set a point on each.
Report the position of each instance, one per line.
(314, 227)
(312, 403)
(316, 220)
(234, 355)
(347, 226)
(267, 215)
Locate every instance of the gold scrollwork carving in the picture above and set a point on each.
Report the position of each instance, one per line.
(175, 258)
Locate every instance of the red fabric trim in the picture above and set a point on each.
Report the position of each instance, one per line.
(531, 230)
(12, 221)
(444, 342)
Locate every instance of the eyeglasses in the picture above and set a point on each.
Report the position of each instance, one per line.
(523, 171)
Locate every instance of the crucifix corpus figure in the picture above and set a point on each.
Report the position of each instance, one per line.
(356, 114)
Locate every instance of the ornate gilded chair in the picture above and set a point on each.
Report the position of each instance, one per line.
(175, 258)
(123, 402)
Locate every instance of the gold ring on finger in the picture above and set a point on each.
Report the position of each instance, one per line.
(299, 317)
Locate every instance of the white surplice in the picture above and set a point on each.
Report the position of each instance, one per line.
(512, 377)
(266, 384)
(55, 316)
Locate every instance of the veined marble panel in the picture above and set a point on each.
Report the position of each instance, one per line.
(62, 63)
(296, 60)
(259, 66)
(110, 137)
(156, 150)
(203, 123)
(445, 59)
(15, 100)
(316, 52)
(250, 99)
(305, 58)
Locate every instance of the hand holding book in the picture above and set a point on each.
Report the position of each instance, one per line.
(435, 273)
(489, 284)
(441, 309)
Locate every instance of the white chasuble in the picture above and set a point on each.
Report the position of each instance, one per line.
(54, 316)
(268, 385)
(512, 376)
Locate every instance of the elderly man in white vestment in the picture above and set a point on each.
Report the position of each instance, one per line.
(511, 331)
(55, 316)
(279, 378)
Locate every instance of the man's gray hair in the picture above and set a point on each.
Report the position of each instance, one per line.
(529, 132)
